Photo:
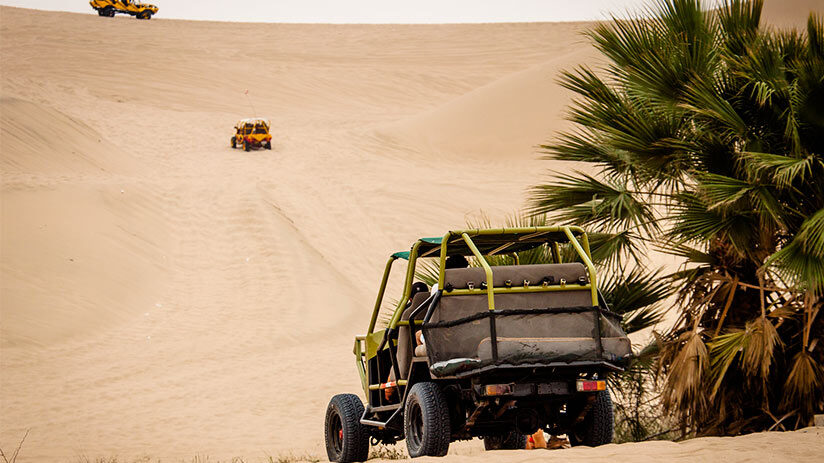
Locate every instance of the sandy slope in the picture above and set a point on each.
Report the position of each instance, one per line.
(163, 294)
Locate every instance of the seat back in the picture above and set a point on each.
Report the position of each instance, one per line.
(456, 307)
(405, 348)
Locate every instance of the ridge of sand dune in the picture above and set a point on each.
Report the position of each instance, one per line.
(81, 245)
(790, 13)
(504, 119)
(36, 139)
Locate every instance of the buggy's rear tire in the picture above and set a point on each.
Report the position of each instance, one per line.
(510, 441)
(347, 440)
(234, 142)
(426, 421)
(598, 425)
(107, 12)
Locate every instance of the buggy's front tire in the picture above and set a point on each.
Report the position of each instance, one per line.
(246, 146)
(426, 421)
(107, 12)
(598, 425)
(234, 142)
(347, 440)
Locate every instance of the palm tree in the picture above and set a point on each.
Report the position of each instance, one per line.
(706, 131)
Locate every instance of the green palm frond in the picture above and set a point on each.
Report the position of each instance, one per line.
(815, 36)
(721, 191)
(783, 170)
(636, 295)
(723, 351)
(690, 254)
(694, 221)
(801, 265)
(609, 249)
(811, 234)
(586, 200)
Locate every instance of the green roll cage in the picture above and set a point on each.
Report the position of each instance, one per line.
(477, 243)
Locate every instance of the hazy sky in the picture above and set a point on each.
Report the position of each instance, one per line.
(368, 11)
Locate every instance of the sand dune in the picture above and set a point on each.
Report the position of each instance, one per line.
(165, 295)
(506, 118)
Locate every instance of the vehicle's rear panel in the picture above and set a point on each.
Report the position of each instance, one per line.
(532, 328)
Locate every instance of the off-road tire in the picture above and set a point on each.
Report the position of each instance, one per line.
(268, 145)
(233, 142)
(426, 421)
(246, 146)
(347, 440)
(107, 12)
(598, 425)
(144, 15)
(510, 441)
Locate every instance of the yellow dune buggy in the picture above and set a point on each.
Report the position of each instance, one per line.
(490, 351)
(134, 8)
(252, 133)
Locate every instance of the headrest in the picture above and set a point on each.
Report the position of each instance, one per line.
(516, 275)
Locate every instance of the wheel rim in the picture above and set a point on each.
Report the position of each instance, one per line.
(415, 424)
(336, 433)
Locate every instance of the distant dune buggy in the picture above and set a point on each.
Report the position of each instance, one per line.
(131, 7)
(252, 133)
(506, 350)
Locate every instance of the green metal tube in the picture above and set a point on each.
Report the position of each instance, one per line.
(585, 244)
(442, 262)
(407, 285)
(587, 261)
(381, 291)
(487, 269)
(359, 362)
(521, 290)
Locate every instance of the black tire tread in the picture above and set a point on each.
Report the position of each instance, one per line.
(350, 410)
(598, 426)
(436, 414)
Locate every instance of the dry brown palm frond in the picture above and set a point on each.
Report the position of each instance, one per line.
(758, 355)
(685, 383)
(804, 382)
(756, 345)
(730, 295)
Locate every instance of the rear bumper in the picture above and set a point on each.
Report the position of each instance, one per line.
(538, 367)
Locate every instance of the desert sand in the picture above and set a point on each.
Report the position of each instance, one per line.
(164, 295)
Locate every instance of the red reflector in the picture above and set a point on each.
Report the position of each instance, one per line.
(590, 386)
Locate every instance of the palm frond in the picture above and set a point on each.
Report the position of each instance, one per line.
(804, 383)
(783, 170)
(586, 200)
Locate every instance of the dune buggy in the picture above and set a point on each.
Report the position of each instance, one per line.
(252, 133)
(131, 7)
(505, 350)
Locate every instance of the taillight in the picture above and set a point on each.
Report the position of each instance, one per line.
(590, 386)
